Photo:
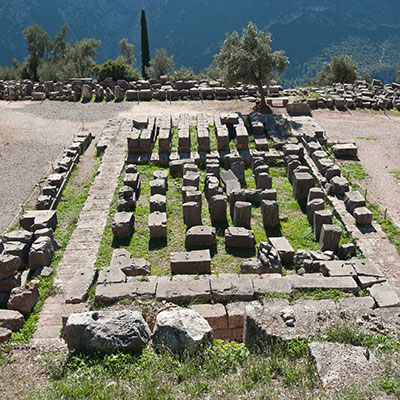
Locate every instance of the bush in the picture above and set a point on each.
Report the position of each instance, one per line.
(113, 69)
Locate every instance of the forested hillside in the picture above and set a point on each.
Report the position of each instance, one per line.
(310, 31)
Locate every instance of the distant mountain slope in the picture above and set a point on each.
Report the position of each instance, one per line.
(310, 31)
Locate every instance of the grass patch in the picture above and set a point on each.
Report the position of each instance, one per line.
(354, 170)
(193, 138)
(318, 294)
(213, 137)
(396, 174)
(68, 211)
(366, 138)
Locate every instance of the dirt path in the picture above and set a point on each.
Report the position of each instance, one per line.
(32, 135)
(378, 140)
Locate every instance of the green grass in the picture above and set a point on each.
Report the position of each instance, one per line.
(68, 210)
(174, 139)
(396, 174)
(193, 138)
(318, 294)
(213, 137)
(354, 170)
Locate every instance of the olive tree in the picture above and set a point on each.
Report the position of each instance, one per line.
(248, 59)
(341, 69)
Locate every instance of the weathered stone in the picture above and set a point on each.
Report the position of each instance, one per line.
(253, 266)
(320, 218)
(145, 289)
(337, 268)
(12, 320)
(5, 335)
(215, 314)
(200, 236)
(271, 283)
(111, 274)
(191, 179)
(18, 249)
(270, 213)
(19, 236)
(193, 262)
(217, 206)
(9, 264)
(339, 364)
(330, 237)
(367, 268)
(107, 331)
(137, 267)
(384, 295)
(242, 214)
(41, 253)
(158, 202)
(312, 206)
(237, 168)
(157, 224)
(315, 193)
(181, 330)
(34, 220)
(313, 282)
(24, 298)
(184, 291)
(269, 257)
(78, 287)
(363, 216)
(284, 249)
(340, 185)
(347, 251)
(268, 194)
(7, 284)
(123, 225)
(192, 214)
(239, 237)
(345, 150)
(353, 200)
(264, 181)
(229, 287)
(234, 196)
(44, 272)
(331, 172)
(302, 183)
(192, 195)
(158, 186)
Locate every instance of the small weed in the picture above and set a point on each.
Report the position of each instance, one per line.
(366, 137)
(396, 174)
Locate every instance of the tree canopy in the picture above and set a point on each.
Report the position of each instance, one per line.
(161, 64)
(341, 69)
(248, 59)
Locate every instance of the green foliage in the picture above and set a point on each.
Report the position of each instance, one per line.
(391, 386)
(161, 64)
(355, 170)
(341, 69)
(60, 45)
(398, 73)
(145, 45)
(126, 52)
(249, 59)
(396, 174)
(183, 73)
(113, 69)
(39, 46)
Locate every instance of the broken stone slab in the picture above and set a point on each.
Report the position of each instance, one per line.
(254, 266)
(12, 320)
(9, 264)
(229, 287)
(137, 267)
(33, 220)
(339, 364)
(363, 216)
(181, 331)
(78, 288)
(384, 295)
(18, 249)
(284, 249)
(269, 257)
(367, 268)
(41, 253)
(19, 236)
(157, 224)
(23, 299)
(271, 283)
(201, 236)
(239, 237)
(193, 262)
(353, 200)
(356, 303)
(111, 274)
(184, 291)
(330, 237)
(215, 314)
(313, 282)
(337, 268)
(134, 288)
(107, 331)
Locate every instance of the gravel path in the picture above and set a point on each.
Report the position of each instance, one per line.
(32, 135)
(378, 140)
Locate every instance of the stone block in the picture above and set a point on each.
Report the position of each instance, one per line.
(215, 314)
(330, 237)
(312, 206)
(158, 202)
(184, 291)
(268, 194)
(217, 206)
(192, 262)
(264, 181)
(157, 224)
(12, 320)
(192, 195)
(18, 249)
(320, 218)
(191, 178)
(19, 236)
(367, 268)
(239, 238)
(41, 253)
(384, 295)
(314, 282)
(242, 214)
(340, 185)
(234, 196)
(345, 150)
(24, 298)
(192, 214)
(145, 290)
(337, 268)
(228, 287)
(78, 287)
(200, 236)
(37, 219)
(123, 225)
(270, 213)
(284, 249)
(271, 283)
(353, 200)
(302, 183)
(158, 186)
(363, 216)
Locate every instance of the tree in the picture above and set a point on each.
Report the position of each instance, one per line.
(248, 59)
(145, 45)
(60, 45)
(39, 46)
(113, 69)
(341, 69)
(398, 73)
(126, 52)
(161, 64)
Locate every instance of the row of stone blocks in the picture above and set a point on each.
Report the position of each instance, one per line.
(52, 191)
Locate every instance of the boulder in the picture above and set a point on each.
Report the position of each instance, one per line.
(9, 264)
(5, 334)
(181, 330)
(107, 331)
(24, 298)
(41, 253)
(12, 320)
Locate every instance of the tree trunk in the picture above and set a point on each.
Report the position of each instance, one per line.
(262, 107)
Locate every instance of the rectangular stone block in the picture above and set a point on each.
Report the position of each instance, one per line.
(215, 314)
(184, 291)
(192, 262)
(311, 282)
(227, 288)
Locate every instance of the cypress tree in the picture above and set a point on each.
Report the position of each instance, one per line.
(145, 45)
